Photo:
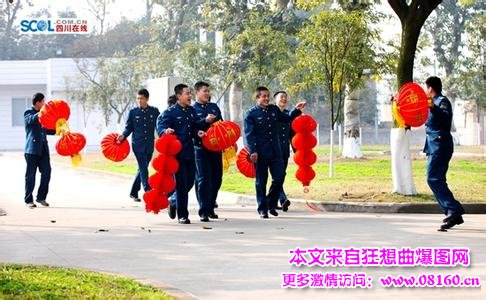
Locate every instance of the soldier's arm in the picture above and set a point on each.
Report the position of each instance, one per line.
(128, 125)
(250, 135)
(443, 111)
(50, 131)
(163, 123)
(30, 118)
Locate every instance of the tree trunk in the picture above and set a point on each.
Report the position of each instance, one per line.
(351, 146)
(235, 103)
(401, 162)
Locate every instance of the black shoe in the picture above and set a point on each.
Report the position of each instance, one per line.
(172, 212)
(273, 212)
(278, 208)
(216, 205)
(135, 198)
(184, 221)
(452, 216)
(285, 205)
(204, 219)
(458, 220)
(213, 216)
(31, 205)
(264, 216)
(43, 203)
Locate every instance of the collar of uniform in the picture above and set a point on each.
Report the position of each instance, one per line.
(201, 104)
(265, 109)
(181, 107)
(144, 109)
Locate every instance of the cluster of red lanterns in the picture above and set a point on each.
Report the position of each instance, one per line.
(412, 103)
(304, 141)
(165, 165)
(54, 115)
(244, 164)
(112, 149)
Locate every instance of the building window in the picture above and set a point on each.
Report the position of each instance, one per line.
(19, 106)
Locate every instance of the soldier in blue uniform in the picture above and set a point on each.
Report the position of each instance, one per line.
(439, 148)
(36, 153)
(180, 119)
(261, 134)
(209, 164)
(285, 135)
(141, 122)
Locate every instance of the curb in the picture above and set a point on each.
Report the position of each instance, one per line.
(367, 207)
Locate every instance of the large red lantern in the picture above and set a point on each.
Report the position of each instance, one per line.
(54, 114)
(113, 150)
(70, 144)
(244, 164)
(304, 124)
(412, 102)
(158, 163)
(221, 135)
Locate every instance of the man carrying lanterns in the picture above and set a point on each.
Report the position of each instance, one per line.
(180, 119)
(439, 148)
(262, 140)
(209, 164)
(36, 153)
(141, 122)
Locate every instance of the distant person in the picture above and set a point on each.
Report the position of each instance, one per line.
(36, 153)
(141, 122)
(439, 148)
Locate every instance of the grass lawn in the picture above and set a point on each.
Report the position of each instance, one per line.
(358, 180)
(40, 282)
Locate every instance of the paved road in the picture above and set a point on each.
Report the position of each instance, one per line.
(239, 257)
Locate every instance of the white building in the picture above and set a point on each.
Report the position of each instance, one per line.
(19, 80)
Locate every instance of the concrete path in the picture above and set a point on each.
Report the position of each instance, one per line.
(93, 225)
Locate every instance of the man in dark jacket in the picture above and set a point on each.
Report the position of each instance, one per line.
(36, 153)
(141, 122)
(439, 148)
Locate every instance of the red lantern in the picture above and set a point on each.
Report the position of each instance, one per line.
(112, 150)
(244, 164)
(162, 183)
(304, 124)
(412, 104)
(171, 165)
(305, 157)
(168, 144)
(155, 201)
(221, 135)
(305, 174)
(158, 163)
(304, 141)
(53, 112)
(70, 144)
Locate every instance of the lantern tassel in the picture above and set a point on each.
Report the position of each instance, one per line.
(76, 159)
(62, 127)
